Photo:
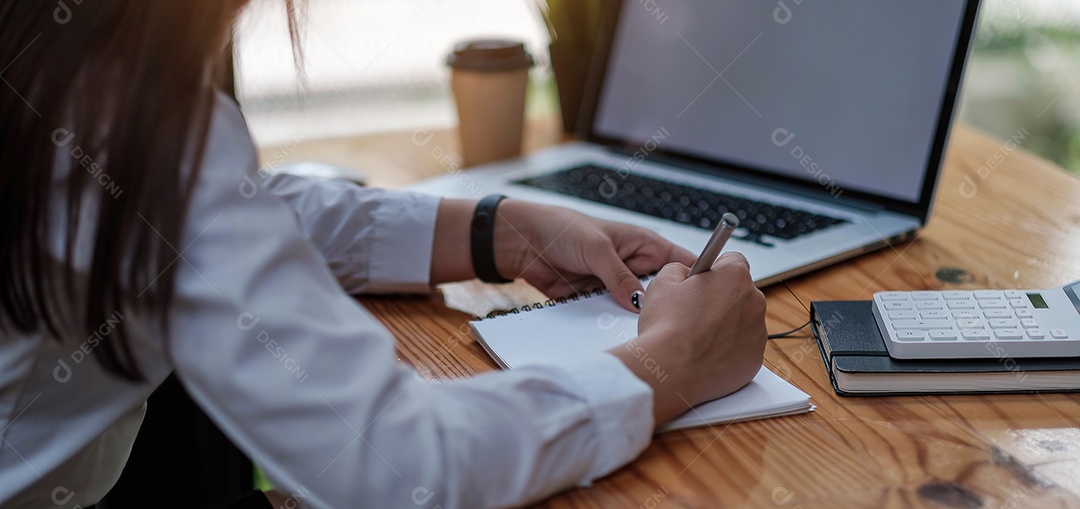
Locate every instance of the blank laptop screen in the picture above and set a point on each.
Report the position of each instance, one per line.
(845, 93)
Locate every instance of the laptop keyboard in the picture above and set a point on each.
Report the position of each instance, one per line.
(681, 203)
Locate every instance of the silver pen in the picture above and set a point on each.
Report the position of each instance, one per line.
(728, 223)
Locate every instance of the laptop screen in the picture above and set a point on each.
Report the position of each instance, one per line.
(842, 93)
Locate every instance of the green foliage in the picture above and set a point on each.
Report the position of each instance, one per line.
(572, 24)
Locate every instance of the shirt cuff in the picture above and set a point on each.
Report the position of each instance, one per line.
(622, 410)
(401, 243)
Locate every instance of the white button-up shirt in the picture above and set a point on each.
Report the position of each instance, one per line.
(267, 340)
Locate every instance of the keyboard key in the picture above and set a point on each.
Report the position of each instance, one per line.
(1013, 294)
(970, 324)
(1009, 334)
(961, 304)
(1058, 333)
(1018, 303)
(956, 295)
(684, 204)
(943, 335)
(1029, 323)
(910, 335)
(922, 324)
(934, 314)
(987, 294)
(929, 304)
(992, 304)
(892, 296)
(1035, 333)
(975, 334)
(923, 295)
(901, 315)
(897, 305)
(1003, 324)
(1024, 313)
(998, 313)
(966, 313)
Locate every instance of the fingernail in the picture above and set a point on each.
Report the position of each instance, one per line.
(637, 299)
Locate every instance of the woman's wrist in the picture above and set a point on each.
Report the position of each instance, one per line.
(642, 356)
(513, 225)
(451, 257)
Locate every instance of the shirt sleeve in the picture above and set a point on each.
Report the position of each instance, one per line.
(304, 380)
(373, 240)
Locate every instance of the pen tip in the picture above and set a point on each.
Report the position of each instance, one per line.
(730, 219)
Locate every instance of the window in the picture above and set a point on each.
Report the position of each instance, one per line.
(372, 65)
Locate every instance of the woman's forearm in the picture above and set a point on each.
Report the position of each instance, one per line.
(451, 258)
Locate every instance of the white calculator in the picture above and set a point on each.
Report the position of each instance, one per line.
(962, 324)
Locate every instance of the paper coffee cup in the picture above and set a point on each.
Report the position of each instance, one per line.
(489, 78)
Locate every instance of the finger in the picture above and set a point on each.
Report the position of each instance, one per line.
(682, 256)
(647, 245)
(673, 272)
(618, 278)
(732, 259)
(732, 264)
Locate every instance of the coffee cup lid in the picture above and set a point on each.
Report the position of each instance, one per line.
(490, 55)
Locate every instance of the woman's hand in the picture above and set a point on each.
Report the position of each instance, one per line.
(707, 333)
(562, 251)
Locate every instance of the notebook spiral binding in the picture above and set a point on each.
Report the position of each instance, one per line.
(588, 294)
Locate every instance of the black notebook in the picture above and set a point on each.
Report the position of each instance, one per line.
(859, 364)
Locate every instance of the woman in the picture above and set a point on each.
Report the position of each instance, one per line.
(141, 240)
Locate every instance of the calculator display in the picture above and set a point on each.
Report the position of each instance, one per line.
(1037, 300)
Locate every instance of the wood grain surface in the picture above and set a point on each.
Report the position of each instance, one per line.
(1003, 219)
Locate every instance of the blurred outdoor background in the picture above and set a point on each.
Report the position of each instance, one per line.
(377, 65)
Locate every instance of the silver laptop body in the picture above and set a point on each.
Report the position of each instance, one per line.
(822, 125)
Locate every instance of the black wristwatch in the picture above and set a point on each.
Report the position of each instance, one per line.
(482, 240)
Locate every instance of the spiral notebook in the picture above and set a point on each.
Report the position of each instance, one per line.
(587, 323)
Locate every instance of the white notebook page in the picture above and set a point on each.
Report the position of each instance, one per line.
(595, 324)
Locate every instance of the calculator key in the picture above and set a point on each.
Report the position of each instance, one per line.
(1014, 294)
(992, 304)
(998, 313)
(961, 304)
(901, 315)
(987, 294)
(910, 335)
(943, 335)
(1035, 333)
(970, 324)
(966, 313)
(923, 295)
(1024, 313)
(956, 294)
(933, 314)
(892, 296)
(1003, 324)
(1058, 333)
(1029, 323)
(975, 334)
(895, 305)
(929, 304)
(1009, 334)
(1018, 303)
(922, 324)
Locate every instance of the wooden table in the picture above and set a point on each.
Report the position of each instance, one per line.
(1013, 224)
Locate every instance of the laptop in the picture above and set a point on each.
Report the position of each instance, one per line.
(822, 125)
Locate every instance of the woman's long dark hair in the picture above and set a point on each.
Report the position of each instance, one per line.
(120, 92)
